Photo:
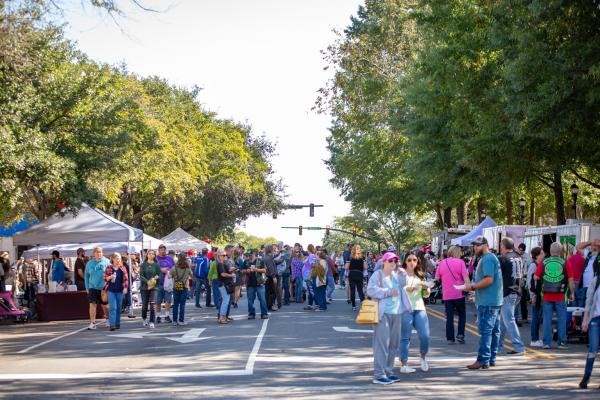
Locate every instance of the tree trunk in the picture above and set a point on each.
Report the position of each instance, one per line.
(137, 221)
(460, 213)
(532, 211)
(509, 208)
(440, 218)
(448, 217)
(480, 208)
(559, 201)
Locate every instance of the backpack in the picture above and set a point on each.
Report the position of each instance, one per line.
(554, 278)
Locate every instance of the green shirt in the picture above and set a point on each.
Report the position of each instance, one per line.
(416, 296)
(147, 272)
(212, 271)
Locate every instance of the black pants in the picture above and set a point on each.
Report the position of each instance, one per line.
(524, 305)
(148, 299)
(271, 289)
(458, 306)
(356, 283)
(30, 289)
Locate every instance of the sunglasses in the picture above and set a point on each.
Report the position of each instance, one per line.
(392, 261)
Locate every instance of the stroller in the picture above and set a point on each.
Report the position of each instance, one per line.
(436, 293)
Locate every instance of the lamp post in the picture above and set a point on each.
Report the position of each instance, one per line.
(522, 204)
(574, 192)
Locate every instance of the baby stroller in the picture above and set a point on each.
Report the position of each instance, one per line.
(436, 293)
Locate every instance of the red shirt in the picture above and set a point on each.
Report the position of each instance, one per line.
(557, 297)
(576, 263)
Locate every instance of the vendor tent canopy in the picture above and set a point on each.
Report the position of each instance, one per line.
(89, 225)
(70, 250)
(181, 240)
(466, 240)
(150, 242)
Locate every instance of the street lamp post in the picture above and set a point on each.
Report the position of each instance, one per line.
(574, 192)
(522, 204)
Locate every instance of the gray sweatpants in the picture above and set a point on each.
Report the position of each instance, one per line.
(386, 342)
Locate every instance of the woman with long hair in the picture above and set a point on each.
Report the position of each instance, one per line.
(591, 322)
(239, 263)
(318, 276)
(181, 275)
(415, 289)
(356, 268)
(535, 294)
(117, 282)
(297, 264)
(149, 274)
(311, 259)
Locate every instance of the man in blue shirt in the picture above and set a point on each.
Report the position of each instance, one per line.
(487, 284)
(94, 283)
(201, 276)
(57, 268)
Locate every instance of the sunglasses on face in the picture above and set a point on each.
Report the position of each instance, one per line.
(392, 261)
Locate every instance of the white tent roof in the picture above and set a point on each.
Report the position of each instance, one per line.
(181, 240)
(150, 242)
(478, 231)
(70, 250)
(90, 225)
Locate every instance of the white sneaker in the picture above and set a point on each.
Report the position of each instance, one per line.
(92, 326)
(424, 365)
(275, 308)
(151, 325)
(405, 369)
(536, 343)
(145, 324)
(183, 323)
(107, 323)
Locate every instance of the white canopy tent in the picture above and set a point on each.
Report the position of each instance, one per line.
(89, 225)
(477, 231)
(181, 240)
(150, 242)
(70, 250)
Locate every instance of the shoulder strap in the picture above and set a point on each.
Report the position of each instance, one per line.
(449, 269)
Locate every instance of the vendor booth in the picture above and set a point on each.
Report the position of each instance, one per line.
(88, 228)
(467, 239)
(495, 234)
(181, 240)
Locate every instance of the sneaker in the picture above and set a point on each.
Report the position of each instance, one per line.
(308, 308)
(235, 305)
(546, 347)
(264, 317)
(112, 328)
(145, 323)
(348, 301)
(353, 308)
(318, 310)
(405, 369)
(329, 301)
(515, 353)
(92, 326)
(460, 339)
(251, 317)
(382, 381)
(107, 323)
(210, 306)
(174, 323)
(151, 325)
(562, 346)
(424, 365)
(198, 306)
(536, 343)
(275, 308)
(393, 378)
(450, 342)
(182, 323)
(158, 320)
(168, 319)
(229, 319)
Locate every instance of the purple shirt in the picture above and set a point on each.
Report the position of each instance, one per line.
(297, 265)
(164, 262)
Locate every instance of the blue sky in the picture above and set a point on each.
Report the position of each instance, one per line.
(258, 61)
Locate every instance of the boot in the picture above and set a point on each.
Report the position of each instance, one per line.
(584, 382)
(589, 364)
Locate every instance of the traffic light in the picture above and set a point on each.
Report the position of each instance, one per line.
(354, 230)
(300, 230)
(327, 230)
(312, 209)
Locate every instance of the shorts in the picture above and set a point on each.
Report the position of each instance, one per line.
(94, 297)
(162, 296)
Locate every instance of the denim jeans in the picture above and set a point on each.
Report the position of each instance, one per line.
(488, 325)
(310, 292)
(198, 294)
(225, 300)
(285, 285)
(459, 306)
(418, 320)
(216, 293)
(299, 285)
(179, 299)
(509, 324)
(536, 318)
(330, 286)
(252, 293)
(115, 300)
(594, 337)
(342, 272)
(561, 316)
(320, 296)
(580, 295)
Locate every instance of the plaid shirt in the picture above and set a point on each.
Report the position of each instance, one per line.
(31, 273)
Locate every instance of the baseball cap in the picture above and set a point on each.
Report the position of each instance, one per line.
(388, 256)
(391, 248)
(479, 240)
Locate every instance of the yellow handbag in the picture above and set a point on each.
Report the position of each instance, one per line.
(369, 312)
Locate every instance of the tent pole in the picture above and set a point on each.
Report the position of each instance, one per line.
(130, 292)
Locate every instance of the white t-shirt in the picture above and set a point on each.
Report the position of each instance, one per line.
(588, 272)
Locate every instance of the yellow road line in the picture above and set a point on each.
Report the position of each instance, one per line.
(473, 329)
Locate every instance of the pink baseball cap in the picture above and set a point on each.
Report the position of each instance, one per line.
(389, 256)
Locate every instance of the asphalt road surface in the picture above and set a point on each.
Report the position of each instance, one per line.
(294, 354)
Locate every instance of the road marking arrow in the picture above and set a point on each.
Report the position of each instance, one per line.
(193, 335)
(345, 329)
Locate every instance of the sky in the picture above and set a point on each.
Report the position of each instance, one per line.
(258, 61)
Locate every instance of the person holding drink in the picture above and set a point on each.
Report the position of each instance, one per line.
(255, 285)
(386, 287)
(117, 281)
(149, 275)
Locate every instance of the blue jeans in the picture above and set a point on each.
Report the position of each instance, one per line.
(320, 298)
(330, 286)
(509, 324)
(536, 317)
(115, 300)
(216, 294)
(310, 292)
(179, 299)
(419, 320)
(198, 290)
(488, 325)
(252, 292)
(580, 295)
(299, 285)
(342, 272)
(594, 336)
(285, 284)
(561, 317)
(225, 300)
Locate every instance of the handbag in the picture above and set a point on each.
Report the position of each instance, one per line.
(151, 283)
(229, 287)
(369, 310)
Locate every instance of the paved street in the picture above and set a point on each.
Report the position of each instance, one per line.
(295, 354)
